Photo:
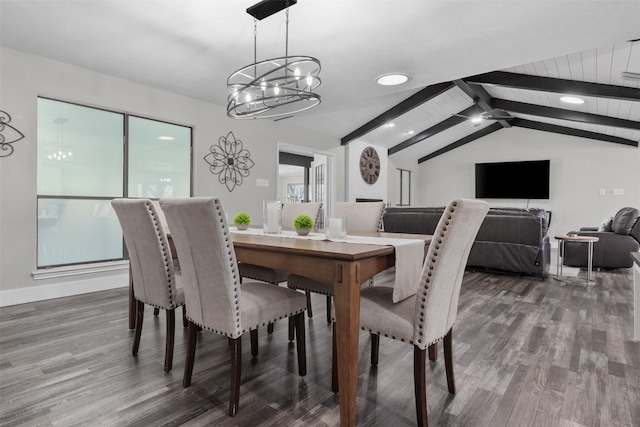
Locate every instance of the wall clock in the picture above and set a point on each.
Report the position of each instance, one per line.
(369, 165)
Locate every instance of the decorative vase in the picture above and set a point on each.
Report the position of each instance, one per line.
(303, 231)
(242, 226)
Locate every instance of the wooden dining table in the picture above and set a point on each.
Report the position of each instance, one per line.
(342, 264)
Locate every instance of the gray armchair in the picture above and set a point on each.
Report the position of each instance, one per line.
(617, 239)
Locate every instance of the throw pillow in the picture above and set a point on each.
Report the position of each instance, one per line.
(606, 224)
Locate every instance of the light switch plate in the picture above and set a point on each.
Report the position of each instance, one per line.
(262, 182)
(618, 191)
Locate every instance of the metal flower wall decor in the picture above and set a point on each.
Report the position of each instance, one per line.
(229, 160)
(8, 135)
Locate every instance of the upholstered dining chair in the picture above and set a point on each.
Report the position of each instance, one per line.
(362, 217)
(154, 276)
(427, 317)
(290, 211)
(215, 301)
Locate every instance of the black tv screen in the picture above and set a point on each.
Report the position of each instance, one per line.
(513, 180)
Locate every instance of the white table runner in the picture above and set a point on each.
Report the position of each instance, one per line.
(409, 257)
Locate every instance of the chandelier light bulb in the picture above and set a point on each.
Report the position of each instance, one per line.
(247, 97)
(296, 73)
(276, 90)
(309, 80)
(263, 85)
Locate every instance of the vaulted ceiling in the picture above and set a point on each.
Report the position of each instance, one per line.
(464, 57)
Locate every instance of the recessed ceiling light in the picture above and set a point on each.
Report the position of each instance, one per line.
(166, 138)
(411, 132)
(392, 79)
(390, 125)
(572, 100)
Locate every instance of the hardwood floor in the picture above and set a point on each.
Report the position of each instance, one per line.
(527, 352)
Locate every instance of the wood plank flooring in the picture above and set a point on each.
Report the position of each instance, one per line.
(527, 352)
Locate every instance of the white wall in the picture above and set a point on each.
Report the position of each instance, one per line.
(356, 186)
(24, 77)
(579, 169)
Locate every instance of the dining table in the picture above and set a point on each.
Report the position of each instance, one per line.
(343, 264)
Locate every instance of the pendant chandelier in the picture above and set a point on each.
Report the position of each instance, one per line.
(276, 87)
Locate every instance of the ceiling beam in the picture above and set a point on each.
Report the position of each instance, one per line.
(547, 127)
(549, 84)
(562, 114)
(467, 139)
(408, 104)
(437, 128)
(480, 96)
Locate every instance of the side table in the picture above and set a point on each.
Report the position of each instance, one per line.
(585, 239)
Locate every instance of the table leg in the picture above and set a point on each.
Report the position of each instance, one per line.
(558, 260)
(347, 306)
(589, 262)
(133, 310)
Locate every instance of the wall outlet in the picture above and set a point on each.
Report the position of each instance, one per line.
(617, 191)
(602, 192)
(261, 182)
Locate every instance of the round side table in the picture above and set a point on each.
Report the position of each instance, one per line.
(584, 239)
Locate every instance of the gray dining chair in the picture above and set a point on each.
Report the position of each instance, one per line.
(429, 316)
(215, 301)
(362, 217)
(290, 211)
(155, 279)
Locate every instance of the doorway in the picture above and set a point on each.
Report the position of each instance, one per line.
(304, 176)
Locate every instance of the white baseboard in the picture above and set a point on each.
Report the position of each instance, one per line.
(63, 289)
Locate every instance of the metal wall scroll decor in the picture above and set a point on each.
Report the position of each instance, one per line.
(8, 135)
(229, 160)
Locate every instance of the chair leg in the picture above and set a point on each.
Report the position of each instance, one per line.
(270, 328)
(171, 332)
(433, 352)
(254, 342)
(419, 381)
(236, 368)
(375, 349)
(185, 323)
(448, 360)
(301, 344)
(191, 354)
(309, 310)
(292, 328)
(329, 309)
(156, 311)
(334, 362)
(139, 320)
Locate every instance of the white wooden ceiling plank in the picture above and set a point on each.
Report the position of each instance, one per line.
(589, 65)
(562, 65)
(551, 68)
(575, 66)
(604, 57)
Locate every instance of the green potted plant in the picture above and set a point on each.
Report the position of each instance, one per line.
(242, 221)
(303, 224)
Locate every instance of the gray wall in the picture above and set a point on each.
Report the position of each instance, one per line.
(579, 169)
(23, 77)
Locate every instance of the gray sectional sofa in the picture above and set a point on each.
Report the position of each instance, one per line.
(510, 240)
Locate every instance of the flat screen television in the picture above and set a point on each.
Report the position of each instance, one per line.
(513, 180)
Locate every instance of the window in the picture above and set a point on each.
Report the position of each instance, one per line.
(84, 160)
(404, 181)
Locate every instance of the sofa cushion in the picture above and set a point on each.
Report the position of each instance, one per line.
(606, 224)
(624, 220)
